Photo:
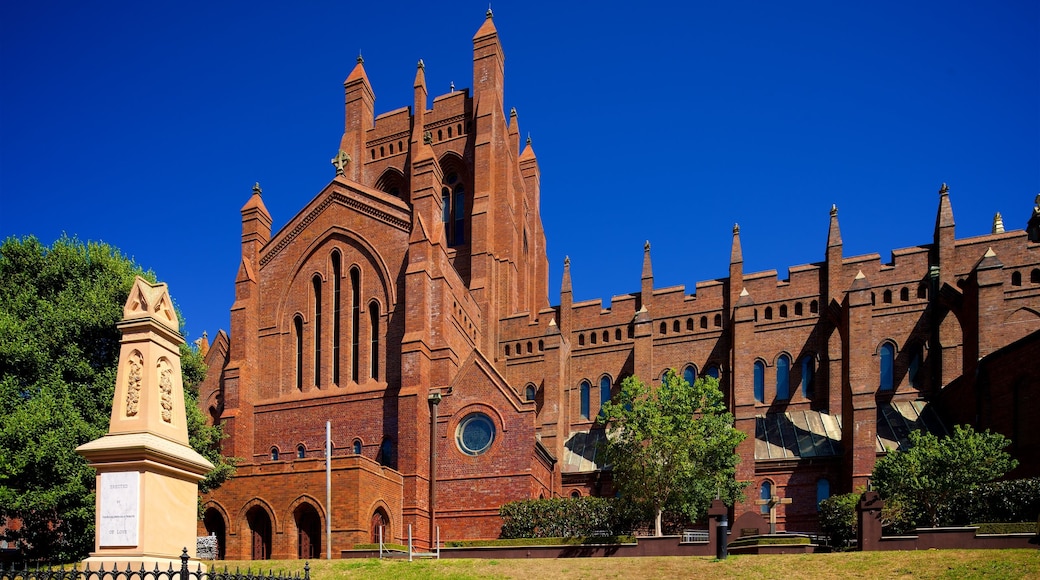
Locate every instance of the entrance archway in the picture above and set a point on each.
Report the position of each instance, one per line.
(308, 527)
(380, 520)
(216, 526)
(260, 532)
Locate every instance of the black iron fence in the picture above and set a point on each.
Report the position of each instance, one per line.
(183, 573)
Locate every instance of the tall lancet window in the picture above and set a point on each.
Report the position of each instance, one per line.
(355, 321)
(373, 312)
(317, 331)
(453, 198)
(298, 331)
(335, 316)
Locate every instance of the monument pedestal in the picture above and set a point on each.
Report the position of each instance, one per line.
(147, 474)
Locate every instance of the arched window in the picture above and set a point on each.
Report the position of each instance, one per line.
(1034, 276)
(769, 313)
(814, 307)
(664, 376)
(335, 316)
(530, 347)
(274, 454)
(922, 291)
(541, 345)
(1016, 278)
(823, 491)
(529, 393)
(575, 494)
(298, 331)
(797, 308)
(675, 326)
(689, 324)
(581, 340)
(373, 313)
(357, 447)
(888, 355)
(301, 451)
(765, 492)
(453, 198)
(606, 336)
(355, 322)
(713, 372)
(760, 381)
(904, 294)
(585, 395)
(689, 374)
(887, 297)
(704, 322)
(592, 337)
(507, 350)
(617, 334)
(317, 330)
(718, 321)
(664, 328)
(604, 391)
(783, 377)
(519, 349)
(808, 374)
(783, 311)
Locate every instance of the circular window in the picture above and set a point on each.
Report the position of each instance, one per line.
(475, 434)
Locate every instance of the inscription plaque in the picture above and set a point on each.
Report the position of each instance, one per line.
(120, 504)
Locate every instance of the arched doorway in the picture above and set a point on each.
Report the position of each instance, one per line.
(260, 532)
(216, 526)
(308, 527)
(380, 520)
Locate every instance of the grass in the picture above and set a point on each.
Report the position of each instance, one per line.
(943, 564)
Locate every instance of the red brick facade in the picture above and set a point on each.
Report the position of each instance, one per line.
(417, 280)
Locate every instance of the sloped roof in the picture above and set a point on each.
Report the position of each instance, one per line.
(807, 434)
(580, 452)
(896, 420)
(797, 434)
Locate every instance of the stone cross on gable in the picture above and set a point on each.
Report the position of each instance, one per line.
(340, 161)
(772, 503)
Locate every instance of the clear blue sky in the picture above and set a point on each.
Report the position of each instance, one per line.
(145, 124)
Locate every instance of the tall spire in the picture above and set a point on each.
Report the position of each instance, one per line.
(834, 233)
(648, 276)
(944, 218)
(736, 256)
(565, 288)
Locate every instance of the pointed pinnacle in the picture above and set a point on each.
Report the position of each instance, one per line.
(944, 190)
(834, 210)
(256, 189)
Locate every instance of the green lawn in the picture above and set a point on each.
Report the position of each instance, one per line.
(951, 564)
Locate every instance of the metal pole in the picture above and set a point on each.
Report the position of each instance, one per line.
(721, 537)
(434, 399)
(328, 490)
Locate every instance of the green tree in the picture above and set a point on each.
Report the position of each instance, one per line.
(59, 349)
(672, 448)
(928, 477)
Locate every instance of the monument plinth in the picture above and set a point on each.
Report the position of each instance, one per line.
(147, 474)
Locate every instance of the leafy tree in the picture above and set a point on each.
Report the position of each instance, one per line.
(59, 349)
(672, 448)
(927, 477)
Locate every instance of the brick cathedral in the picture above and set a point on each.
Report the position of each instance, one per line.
(407, 305)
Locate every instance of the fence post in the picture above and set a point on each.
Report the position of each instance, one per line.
(184, 564)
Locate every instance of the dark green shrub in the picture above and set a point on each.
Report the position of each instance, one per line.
(568, 518)
(1007, 528)
(838, 519)
(1017, 500)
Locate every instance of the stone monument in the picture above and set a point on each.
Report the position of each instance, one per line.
(147, 474)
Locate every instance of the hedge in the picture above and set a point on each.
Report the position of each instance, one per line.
(568, 518)
(540, 542)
